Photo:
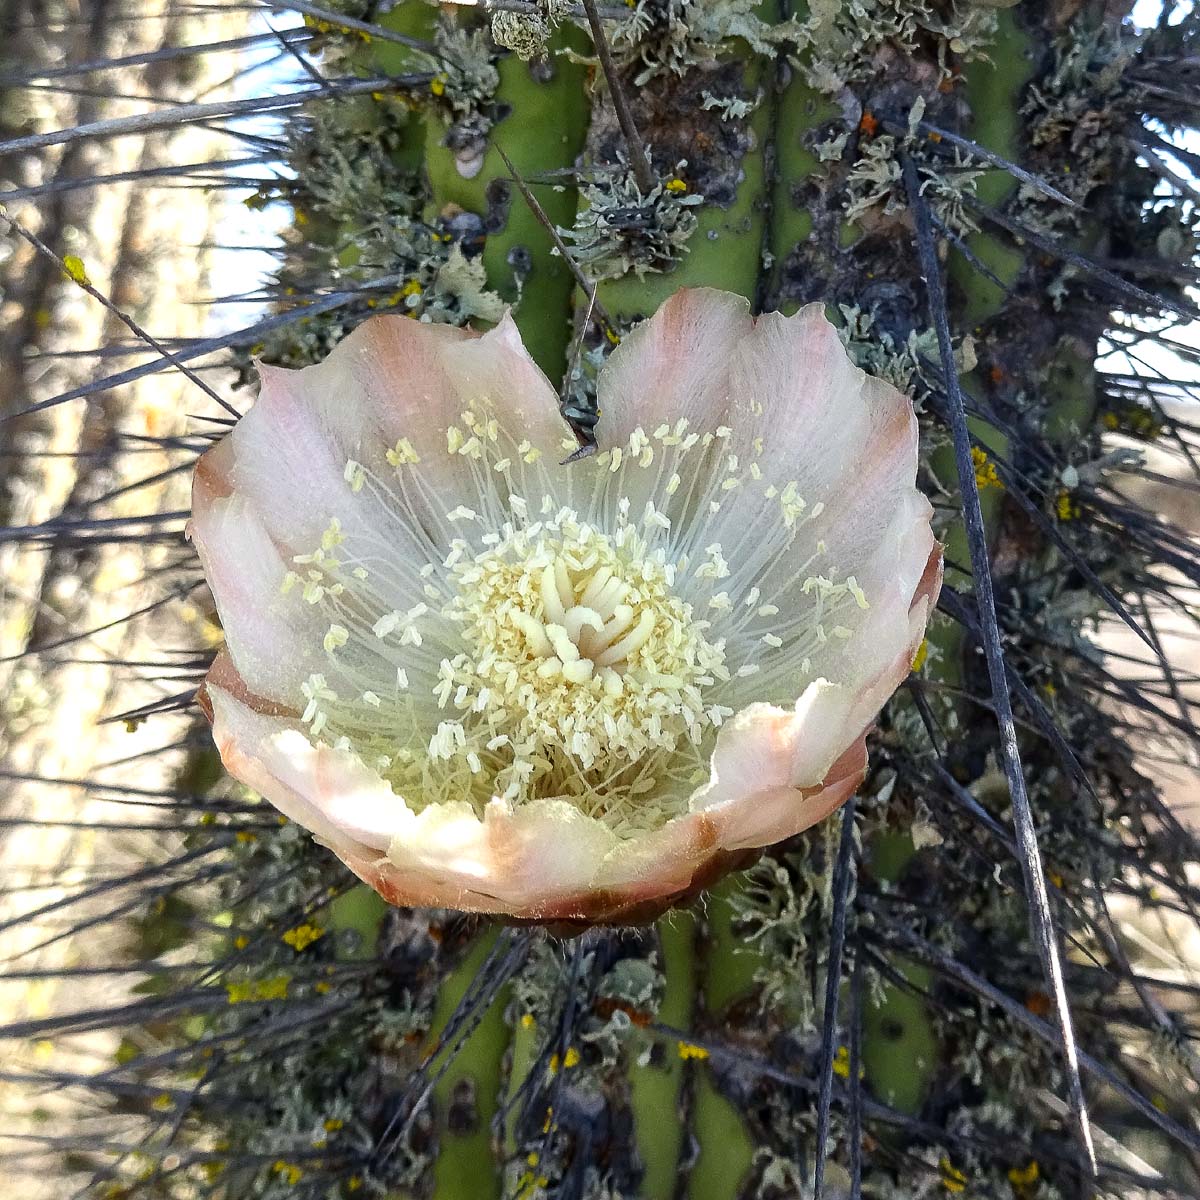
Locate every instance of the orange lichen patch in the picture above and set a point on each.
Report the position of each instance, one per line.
(868, 125)
(607, 1005)
(1038, 1003)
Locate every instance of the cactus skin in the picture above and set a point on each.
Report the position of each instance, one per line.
(465, 1166)
(656, 1089)
(544, 134)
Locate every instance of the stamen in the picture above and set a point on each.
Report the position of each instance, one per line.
(544, 651)
(535, 634)
(579, 617)
(551, 600)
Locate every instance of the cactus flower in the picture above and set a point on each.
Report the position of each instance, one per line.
(581, 692)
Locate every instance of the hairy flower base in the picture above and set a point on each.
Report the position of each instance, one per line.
(573, 692)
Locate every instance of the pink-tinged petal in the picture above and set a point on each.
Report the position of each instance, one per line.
(846, 441)
(773, 767)
(895, 576)
(783, 812)
(545, 863)
(276, 642)
(544, 860)
(675, 365)
(541, 861)
(872, 696)
(391, 378)
(798, 408)
(785, 380)
(772, 776)
(330, 792)
(526, 861)
(497, 366)
(765, 746)
(591, 905)
(383, 381)
(817, 413)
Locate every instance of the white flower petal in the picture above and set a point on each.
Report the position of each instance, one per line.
(787, 415)
(776, 772)
(392, 378)
(330, 792)
(276, 644)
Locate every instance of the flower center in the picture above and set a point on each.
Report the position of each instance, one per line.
(581, 659)
(545, 654)
(585, 624)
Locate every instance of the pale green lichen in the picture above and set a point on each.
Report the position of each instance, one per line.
(905, 365)
(677, 37)
(843, 41)
(464, 89)
(525, 34)
(459, 285)
(620, 229)
(468, 68)
(778, 912)
(875, 183)
(731, 108)
(1089, 69)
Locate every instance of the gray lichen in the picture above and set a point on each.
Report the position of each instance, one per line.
(843, 41)
(620, 229)
(874, 183)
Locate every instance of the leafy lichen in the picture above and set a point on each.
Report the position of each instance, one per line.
(620, 229)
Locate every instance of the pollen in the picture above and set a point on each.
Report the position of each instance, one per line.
(402, 454)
